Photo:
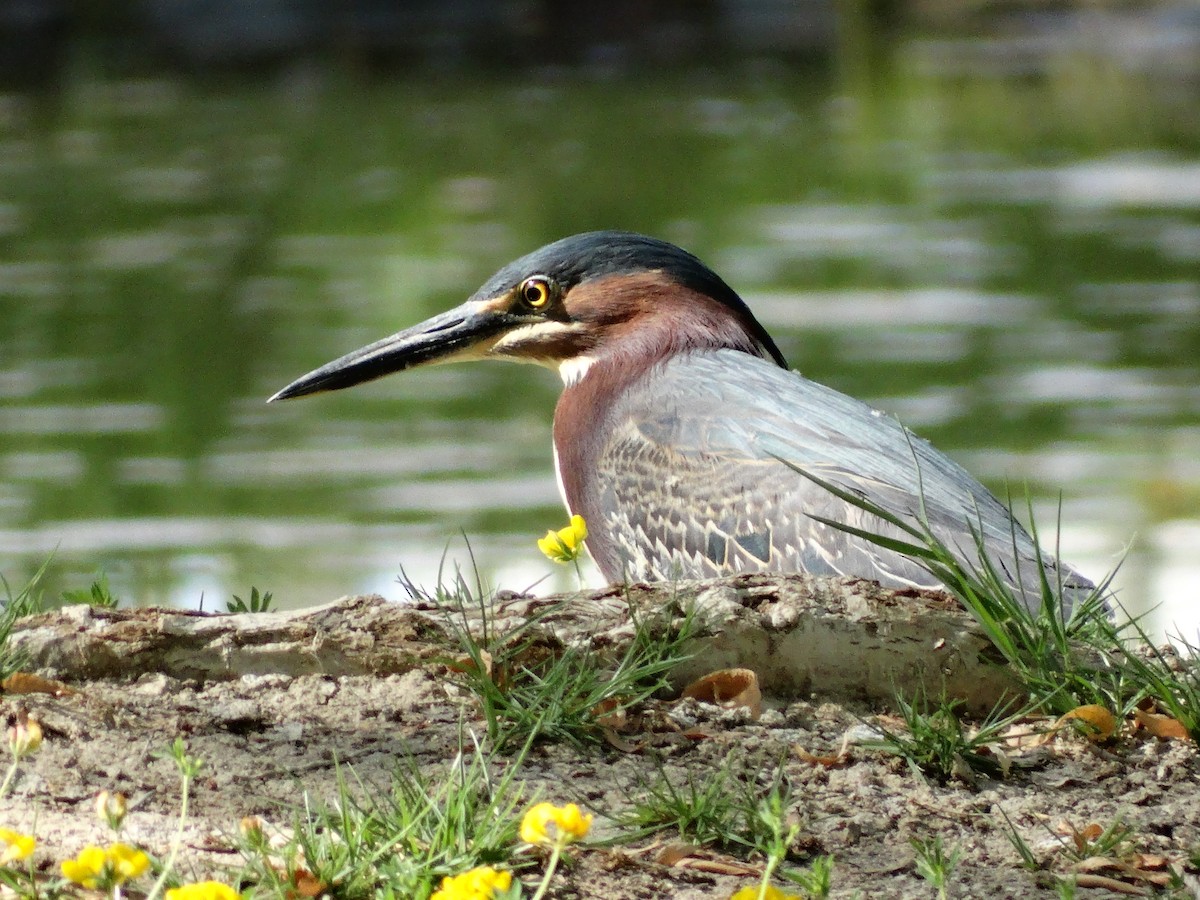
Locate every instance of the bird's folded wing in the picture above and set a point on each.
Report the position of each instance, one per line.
(697, 474)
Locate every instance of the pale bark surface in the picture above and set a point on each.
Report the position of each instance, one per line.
(841, 639)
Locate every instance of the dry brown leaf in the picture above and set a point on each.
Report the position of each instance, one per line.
(1153, 872)
(1028, 734)
(673, 853)
(1098, 723)
(1158, 879)
(618, 743)
(1110, 884)
(304, 884)
(308, 886)
(829, 760)
(1161, 726)
(1150, 861)
(1080, 836)
(467, 664)
(610, 714)
(28, 683)
(729, 688)
(1128, 869)
(614, 859)
(1098, 864)
(719, 866)
(715, 865)
(688, 856)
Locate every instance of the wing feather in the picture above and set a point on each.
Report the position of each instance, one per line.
(691, 483)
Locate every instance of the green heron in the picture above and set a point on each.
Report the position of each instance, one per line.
(680, 428)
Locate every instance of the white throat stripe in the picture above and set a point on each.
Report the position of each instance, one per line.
(572, 370)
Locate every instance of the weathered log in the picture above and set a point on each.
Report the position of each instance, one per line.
(802, 635)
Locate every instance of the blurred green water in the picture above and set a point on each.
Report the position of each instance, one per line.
(1009, 262)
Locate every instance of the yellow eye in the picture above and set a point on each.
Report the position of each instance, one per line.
(535, 293)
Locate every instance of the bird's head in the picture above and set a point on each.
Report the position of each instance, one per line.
(603, 294)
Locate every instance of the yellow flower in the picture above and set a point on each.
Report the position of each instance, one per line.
(481, 883)
(565, 544)
(24, 737)
(86, 868)
(94, 867)
(772, 893)
(127, 862)
(203, 890)
(570, 824)
(16, 846)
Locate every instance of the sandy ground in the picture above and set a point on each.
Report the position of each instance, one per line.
(273, 727)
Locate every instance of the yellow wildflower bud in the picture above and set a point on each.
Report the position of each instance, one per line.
(203, 890)
(565, 545)
(15, 846)
(111, 808)
(250, 826)
(481, 883)
(24, 737)
(86, 868)
(253, 832)
(546, 823)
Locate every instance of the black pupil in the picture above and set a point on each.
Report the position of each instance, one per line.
(535, 293)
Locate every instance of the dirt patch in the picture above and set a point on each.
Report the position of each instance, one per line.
(274, 703)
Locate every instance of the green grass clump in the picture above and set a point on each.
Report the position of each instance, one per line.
(935, 864)
(29, 600)
(729, 807)
(98, 594)
(817, 880)
(530, 687)
(24, 602)
(726, 806)
(936, 742)
(258, 603)
(1169, 676)
(398, 842)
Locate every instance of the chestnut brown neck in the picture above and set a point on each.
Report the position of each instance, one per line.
(637, 322)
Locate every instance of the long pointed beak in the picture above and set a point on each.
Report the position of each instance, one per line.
(464, 332)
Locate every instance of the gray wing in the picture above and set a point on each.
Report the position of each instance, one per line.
(692, 484)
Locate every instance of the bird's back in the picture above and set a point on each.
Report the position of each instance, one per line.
(691, 482)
